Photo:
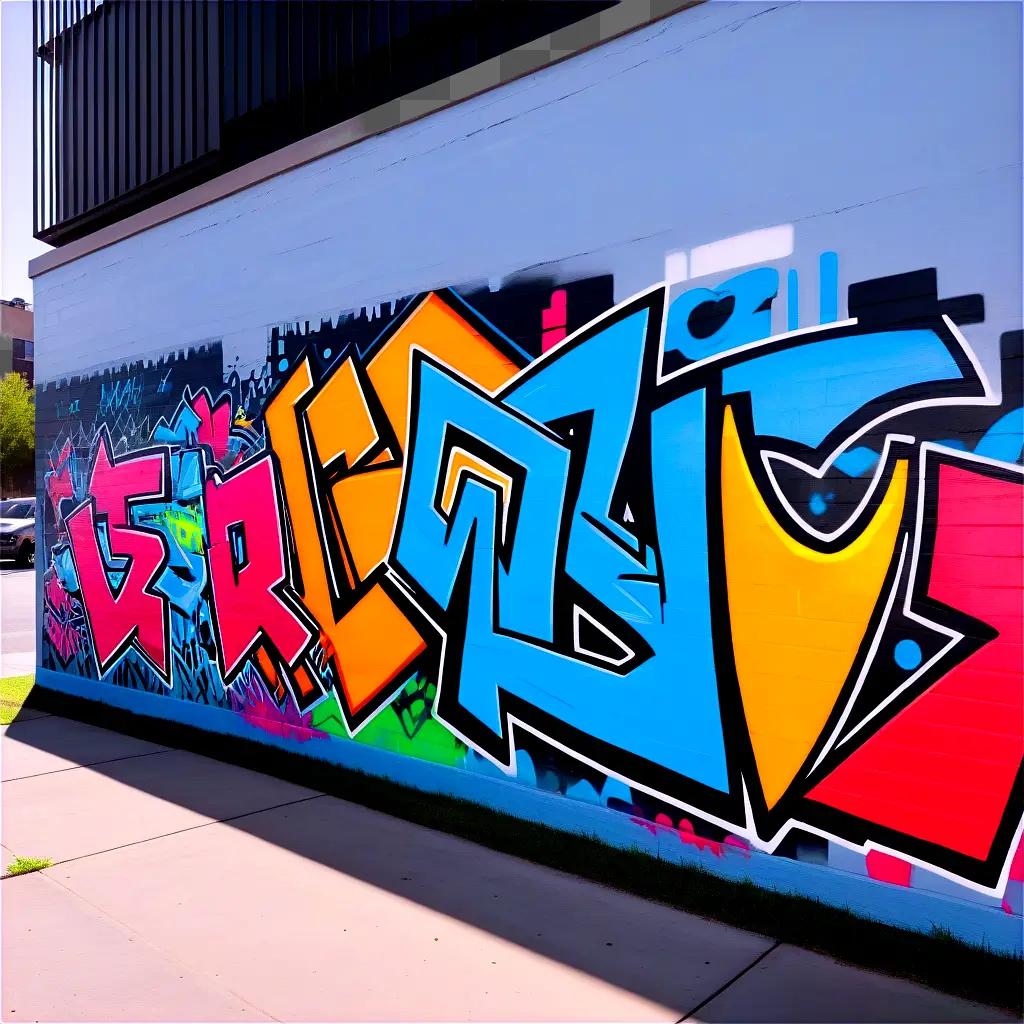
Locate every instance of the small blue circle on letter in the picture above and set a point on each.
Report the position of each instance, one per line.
(908, 654)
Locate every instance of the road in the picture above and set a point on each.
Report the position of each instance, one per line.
(17, 620)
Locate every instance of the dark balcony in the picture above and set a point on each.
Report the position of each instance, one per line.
(136, 102)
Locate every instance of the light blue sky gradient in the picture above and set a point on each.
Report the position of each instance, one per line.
(17, 246)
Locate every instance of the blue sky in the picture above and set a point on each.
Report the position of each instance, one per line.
(17, 246)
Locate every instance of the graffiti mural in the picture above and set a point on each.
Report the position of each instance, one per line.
(760, 589)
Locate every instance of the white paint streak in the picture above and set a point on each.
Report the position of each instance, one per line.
(676, 267)
(741, 250)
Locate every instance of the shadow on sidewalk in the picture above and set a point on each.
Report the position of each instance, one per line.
(645, 948)
(585, 926)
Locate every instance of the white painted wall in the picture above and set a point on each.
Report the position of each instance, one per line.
(889, 132)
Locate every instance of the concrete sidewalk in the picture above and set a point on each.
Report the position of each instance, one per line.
(185, 889)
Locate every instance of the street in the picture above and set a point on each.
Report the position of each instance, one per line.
(17, 620)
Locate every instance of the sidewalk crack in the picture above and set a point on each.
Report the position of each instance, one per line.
(732, 981)
(179, 831)
(91, 764)
(170, 957)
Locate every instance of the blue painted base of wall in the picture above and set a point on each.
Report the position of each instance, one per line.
(912, 909)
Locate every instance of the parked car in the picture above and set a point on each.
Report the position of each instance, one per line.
(18, 530)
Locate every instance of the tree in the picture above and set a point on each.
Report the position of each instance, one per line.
(17, 428)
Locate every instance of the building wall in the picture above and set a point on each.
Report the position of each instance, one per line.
(16, 321)
(16, 345)
(635, 448)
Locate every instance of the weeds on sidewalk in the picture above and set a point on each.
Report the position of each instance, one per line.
(13, 691)
(25, 865)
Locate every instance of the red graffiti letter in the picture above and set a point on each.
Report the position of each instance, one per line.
(246, 559)
(130, 611)
(944, 768)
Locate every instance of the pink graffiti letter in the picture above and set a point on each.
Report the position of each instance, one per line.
(246, 560)
(214, 424)
(128, 611)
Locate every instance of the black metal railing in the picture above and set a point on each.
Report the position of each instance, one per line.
(126, 95)
(137, 100)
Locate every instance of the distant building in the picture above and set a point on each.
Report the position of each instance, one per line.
(17, 339)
